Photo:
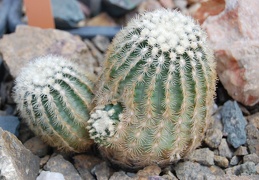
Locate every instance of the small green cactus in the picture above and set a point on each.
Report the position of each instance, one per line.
(54, 97)
(156, 91)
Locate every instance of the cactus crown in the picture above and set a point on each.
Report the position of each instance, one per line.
(54, 96)
(161, 73)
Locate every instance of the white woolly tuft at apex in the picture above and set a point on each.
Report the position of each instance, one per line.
(42, 72)
(167, 29)
(102, 125)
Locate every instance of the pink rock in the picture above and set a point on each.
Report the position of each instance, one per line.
(204, 9)
(234, 35)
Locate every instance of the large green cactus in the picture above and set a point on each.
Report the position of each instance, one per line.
(54, 97)
(155, 92)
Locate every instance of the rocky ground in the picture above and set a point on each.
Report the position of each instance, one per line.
(230, 149)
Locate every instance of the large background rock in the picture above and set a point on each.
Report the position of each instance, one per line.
(16, 162)
(30, 42)
(234, 35)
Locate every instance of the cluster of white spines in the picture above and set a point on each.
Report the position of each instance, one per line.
(41, 73)
(101, 125)
(167, 29)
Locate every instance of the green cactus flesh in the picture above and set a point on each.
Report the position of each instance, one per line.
(54, 97)
(161, 73)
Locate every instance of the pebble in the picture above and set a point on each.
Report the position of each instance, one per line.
(243, 169)
(68, 11)
(168, 4)
(221, 161)
(217, 171)
(251, 158)
(248, 168)
(102, 19)
(10, 123)
(234, 123)
(120, 176)
(192, 170)
(224, 149)
(37, 146)
(234, 160)
(152, 170)
(59, 164)
(254, 119)
(44, 160)
(96, 54)
(101, 42)
(181, 4)
(241, 151)
(148, 5)
(252, 138)
(213, 137)
(102, 171)
(84, 163)
(203, 156)
(47, 175)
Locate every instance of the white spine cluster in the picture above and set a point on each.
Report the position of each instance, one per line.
(101, 125)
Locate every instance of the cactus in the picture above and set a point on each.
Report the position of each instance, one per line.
(155, 93)
(54, 96)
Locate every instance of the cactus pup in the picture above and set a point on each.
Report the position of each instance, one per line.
(54, 96)
(156, 90)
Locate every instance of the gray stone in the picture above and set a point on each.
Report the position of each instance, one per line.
(96, 54)
(213, 138)
(252, 138)
(37, 146)
(248, 168)
(101, 42)
(234, 124)
(203, 156)
(192, 170)
(59, 164)
(242, 177)
(10, 123)
(47, 175)
(155, 178)
(234, 160)
(241, 151)
(253, 119)
(221, 161)
(251, 158)
(44, 160)
(120, 175)
(84, 163)
(224, 149)
(67, 10)
(102, 171)
(17, 50)
(243, 169)
(16, 162)
(217, 171)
